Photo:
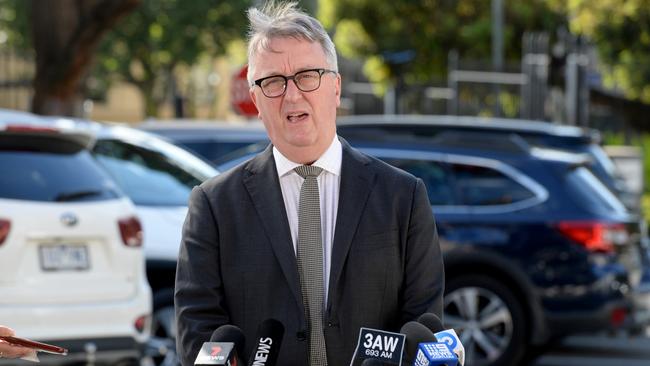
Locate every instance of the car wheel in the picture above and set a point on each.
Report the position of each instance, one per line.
(162, 344)
(488, 318)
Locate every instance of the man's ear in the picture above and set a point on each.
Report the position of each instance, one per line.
(251, 92)
(337, 90)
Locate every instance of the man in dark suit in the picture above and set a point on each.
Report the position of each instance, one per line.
(251, 249)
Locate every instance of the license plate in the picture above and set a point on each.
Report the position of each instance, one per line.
(64, 257)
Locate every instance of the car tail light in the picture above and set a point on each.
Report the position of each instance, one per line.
(28, 128)
(140, 324)
(593, 235)
(131, 231)
(617, 317)
(5, 225)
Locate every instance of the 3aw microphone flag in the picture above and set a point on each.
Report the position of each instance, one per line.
(386, 347)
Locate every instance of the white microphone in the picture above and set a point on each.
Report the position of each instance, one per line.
(447, 336)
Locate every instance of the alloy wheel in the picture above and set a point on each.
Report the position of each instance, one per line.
(483, 321)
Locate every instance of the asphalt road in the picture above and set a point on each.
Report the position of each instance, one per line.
(598, 351)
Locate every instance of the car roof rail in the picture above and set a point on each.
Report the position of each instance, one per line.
(511, 143)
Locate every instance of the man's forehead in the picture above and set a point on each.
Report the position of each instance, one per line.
(264, 62)
(273, 44)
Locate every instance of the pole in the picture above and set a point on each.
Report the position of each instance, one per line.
(497, 49)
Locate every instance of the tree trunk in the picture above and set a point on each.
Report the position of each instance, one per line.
(66, 33)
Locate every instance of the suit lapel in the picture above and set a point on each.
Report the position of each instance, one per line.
(263, 185)
(356, 184)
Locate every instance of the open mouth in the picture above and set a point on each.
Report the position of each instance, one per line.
(297, 117)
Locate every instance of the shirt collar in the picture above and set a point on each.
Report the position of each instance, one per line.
(330, 161)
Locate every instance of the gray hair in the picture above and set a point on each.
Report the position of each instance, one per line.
(279, 20)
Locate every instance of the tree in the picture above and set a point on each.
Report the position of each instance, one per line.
(621, 33)
(65, 35)
(427, 30)
(161, 35)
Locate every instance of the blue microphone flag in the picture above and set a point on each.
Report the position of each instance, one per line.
(435, 354)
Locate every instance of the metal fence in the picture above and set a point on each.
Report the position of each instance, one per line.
(16, 75)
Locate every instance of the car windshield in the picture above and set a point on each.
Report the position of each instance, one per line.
(150, 176)
(52, 172)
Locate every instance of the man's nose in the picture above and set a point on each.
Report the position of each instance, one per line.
(292, 91)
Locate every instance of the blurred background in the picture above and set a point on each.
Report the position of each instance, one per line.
(584, 63)
(178, 69)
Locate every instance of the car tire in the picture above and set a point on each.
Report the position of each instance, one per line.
(489, 319)
(163, 330)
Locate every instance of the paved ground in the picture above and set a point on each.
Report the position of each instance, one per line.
(599, 351)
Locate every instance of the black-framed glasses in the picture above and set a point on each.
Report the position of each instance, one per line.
(306, 80)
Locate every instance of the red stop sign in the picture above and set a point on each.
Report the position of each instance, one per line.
(239, 98)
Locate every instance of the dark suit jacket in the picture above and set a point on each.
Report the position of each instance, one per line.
(237, 264)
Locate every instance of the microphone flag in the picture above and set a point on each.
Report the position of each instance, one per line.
(386, 347)
(450, 337)
(216, 353)
(435, 354)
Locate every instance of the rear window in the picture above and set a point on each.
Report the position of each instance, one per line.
(51, 170)
(435, 176)
(465, 184)
(148, 177)
(482, 186)
(589, 192)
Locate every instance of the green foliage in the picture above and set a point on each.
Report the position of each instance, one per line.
(374, 29)
(621, 32)
(15, 31)
(645, 206)
(147, 46)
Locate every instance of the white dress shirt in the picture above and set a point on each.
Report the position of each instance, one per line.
(329, 182)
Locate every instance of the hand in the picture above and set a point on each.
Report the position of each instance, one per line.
(8, 350)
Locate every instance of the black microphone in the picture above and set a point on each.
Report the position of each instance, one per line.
(223, 347)
(432, 322)
(267, 343)
(416, 333)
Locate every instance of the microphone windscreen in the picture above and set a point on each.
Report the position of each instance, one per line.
(432, 322)
(230, 333)
(267, 343)
(416, 333)
(372, 362)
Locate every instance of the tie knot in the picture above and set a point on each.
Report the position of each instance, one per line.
(308, 171)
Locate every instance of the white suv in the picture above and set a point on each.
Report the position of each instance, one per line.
(71, 261)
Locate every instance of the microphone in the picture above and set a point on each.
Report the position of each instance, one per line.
(222, 348)
(267, 343)
(380, 346)
(435, 354)
(448, 336)
(416, 333)
(431, 321)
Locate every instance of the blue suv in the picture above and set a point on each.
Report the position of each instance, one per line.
(535, 246)
(535, 133)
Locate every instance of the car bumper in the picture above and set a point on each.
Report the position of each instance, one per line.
(615, 315)
(104, 331)
(92, 351)
(641, 301)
